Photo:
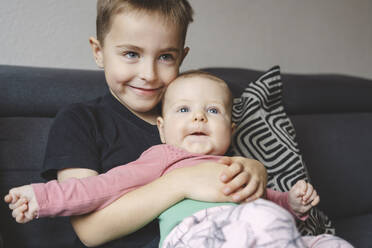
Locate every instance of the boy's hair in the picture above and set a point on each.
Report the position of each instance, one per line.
(174, 11)
(200, 73)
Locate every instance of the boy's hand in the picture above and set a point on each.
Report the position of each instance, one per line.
(302, 197)
(22, 202)
(245, 178)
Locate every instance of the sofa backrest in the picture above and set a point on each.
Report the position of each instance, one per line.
(29, 99)
(332, 115)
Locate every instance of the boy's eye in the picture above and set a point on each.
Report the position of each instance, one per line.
(131, 55)
(183, 109)
(213, 110)
(166, 57)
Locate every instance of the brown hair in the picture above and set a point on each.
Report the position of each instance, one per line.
(174, 11)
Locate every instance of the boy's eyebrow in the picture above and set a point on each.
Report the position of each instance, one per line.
(129, 47)
(136, 48)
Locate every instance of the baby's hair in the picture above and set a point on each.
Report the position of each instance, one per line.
(174, 11)
(200, 73)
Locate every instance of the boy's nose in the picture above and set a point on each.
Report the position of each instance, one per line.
(148, 71)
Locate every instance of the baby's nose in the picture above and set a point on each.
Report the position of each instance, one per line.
(199, 116)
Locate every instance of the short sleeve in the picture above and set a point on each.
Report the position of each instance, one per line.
(72, 142)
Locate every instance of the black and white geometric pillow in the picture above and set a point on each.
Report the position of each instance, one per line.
(265, 132)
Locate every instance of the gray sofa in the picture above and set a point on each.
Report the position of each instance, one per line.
(332, 115)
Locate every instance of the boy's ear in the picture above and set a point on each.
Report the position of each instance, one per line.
(160, 124)
(184, 53)
(97, 51)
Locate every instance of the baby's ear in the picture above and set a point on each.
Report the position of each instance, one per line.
(233, 127)
(160, 124)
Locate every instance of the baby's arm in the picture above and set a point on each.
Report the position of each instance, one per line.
(80, 196)
(302, 197)
(23, 203)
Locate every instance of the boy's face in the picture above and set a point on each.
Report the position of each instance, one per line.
(197, 116)
(141, 56)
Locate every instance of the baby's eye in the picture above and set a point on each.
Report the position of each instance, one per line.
(183, 109)
(131, 55)
(213, 110)
(166, 57)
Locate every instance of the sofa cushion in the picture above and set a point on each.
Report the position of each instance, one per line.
(265, 132)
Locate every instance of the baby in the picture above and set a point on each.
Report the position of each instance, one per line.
(195, 126)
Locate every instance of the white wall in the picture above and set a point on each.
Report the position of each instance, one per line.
(317, 36)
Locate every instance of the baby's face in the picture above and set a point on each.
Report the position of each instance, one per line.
(197, 115)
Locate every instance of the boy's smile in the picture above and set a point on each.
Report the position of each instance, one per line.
(141, 56)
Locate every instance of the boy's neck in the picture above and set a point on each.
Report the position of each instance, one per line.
(149, 116)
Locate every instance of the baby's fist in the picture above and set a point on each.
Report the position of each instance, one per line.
(23, 203)
(302, 197)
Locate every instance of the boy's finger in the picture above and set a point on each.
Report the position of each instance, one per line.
(249, 192)
(225, 160)
(230, 172)
(237, 183)
(259, 191)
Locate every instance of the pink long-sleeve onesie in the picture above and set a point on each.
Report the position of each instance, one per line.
(80, 196)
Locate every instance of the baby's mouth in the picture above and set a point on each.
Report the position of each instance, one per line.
(198, 134)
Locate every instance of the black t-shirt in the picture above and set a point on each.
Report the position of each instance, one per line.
(100, 135)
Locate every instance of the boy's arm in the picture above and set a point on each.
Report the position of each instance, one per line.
(137, 208)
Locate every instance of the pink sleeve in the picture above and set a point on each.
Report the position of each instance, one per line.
(281, 198)
(80, 196)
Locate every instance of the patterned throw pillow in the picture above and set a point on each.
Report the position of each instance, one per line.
(265, 132)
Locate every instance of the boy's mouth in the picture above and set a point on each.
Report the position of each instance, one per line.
(145, 91)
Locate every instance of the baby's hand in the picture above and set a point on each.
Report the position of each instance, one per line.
(302, 197)
(22, 202)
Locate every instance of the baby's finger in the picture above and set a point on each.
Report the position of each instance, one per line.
(301, 187)
(17, 204)
(19, 218)
(19, 211)
(315, 201)
(8, 198)
(308, 193)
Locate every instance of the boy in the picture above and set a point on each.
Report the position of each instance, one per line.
(196, 126)
(140, 46)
